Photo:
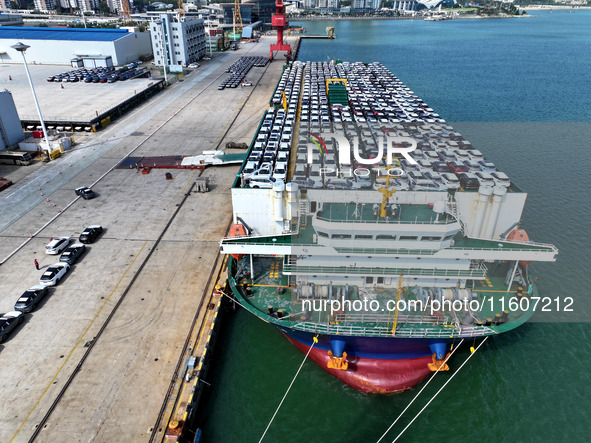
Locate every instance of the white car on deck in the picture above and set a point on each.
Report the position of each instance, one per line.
(57, 245)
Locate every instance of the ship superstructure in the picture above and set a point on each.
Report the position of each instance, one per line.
(386, 259)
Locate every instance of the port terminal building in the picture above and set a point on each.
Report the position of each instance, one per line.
(58, 46)
(177, 41)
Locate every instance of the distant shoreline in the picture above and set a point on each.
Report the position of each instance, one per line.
(459, 17)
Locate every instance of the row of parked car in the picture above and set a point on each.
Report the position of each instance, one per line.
(32, 297)
(240, 68)
(100, 74)
(269, 158)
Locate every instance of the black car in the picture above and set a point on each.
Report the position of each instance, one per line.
(8, 322)
(90, 234)
(73, 253)
(30, 299)
(468, 181)
(85, 192)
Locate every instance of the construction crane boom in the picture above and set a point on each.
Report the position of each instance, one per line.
(125, 14)
(237, 18)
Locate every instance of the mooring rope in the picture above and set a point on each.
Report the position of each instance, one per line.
(233, 299)
(422, 389)
(440, 389)
(290, 385)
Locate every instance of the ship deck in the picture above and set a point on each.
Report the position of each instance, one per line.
(271, 288)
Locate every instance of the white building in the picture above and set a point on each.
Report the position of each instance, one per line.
(45, 5)
(367, 4)
(57, 46)
(332, 4)
(178, 41)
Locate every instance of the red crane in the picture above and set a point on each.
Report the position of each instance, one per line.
(279, 21)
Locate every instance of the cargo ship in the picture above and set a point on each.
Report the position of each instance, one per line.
(371, 233)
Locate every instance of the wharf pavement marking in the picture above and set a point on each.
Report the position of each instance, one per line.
(77, 343)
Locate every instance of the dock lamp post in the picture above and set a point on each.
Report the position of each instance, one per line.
(21, 47)
(164, 46)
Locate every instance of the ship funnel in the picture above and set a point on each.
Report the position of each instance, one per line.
(484, 193)
(498, 196)
(278, 188)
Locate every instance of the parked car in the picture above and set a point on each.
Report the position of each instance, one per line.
(73, 253)
(8, 322)
(54, 274)
(193, 65)
(30, 299)
(57, 245)
(90, 234)
(261, 182)
(468, 181)
(85, 192)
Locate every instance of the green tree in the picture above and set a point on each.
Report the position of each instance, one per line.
(104, 8)
(345, 3)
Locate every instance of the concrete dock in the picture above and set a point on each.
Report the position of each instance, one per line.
(95, 361)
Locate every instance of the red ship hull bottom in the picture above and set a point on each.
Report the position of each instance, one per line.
(373, 375)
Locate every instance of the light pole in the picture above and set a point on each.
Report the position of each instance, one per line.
(165, 57)
(21, 47)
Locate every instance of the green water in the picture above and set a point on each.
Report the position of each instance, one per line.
(531, 384)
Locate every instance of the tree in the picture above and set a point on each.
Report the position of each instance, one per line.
(104, 8)
(346, 3)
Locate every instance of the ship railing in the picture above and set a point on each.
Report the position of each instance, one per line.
(521, 249)
(442, 331)
(384, 318)
(416, 221)
(476, 270)
(365, 251)
(522, 246)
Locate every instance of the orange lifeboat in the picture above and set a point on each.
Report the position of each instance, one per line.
(519, 235)
(237, 230)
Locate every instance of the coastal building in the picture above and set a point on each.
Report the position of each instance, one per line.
(245, 13)
(177, 41)
(10, 19)
(405, 5)
(262, 10)
(45, 5)
(328, 4)
(366, 5)
(58, 46)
